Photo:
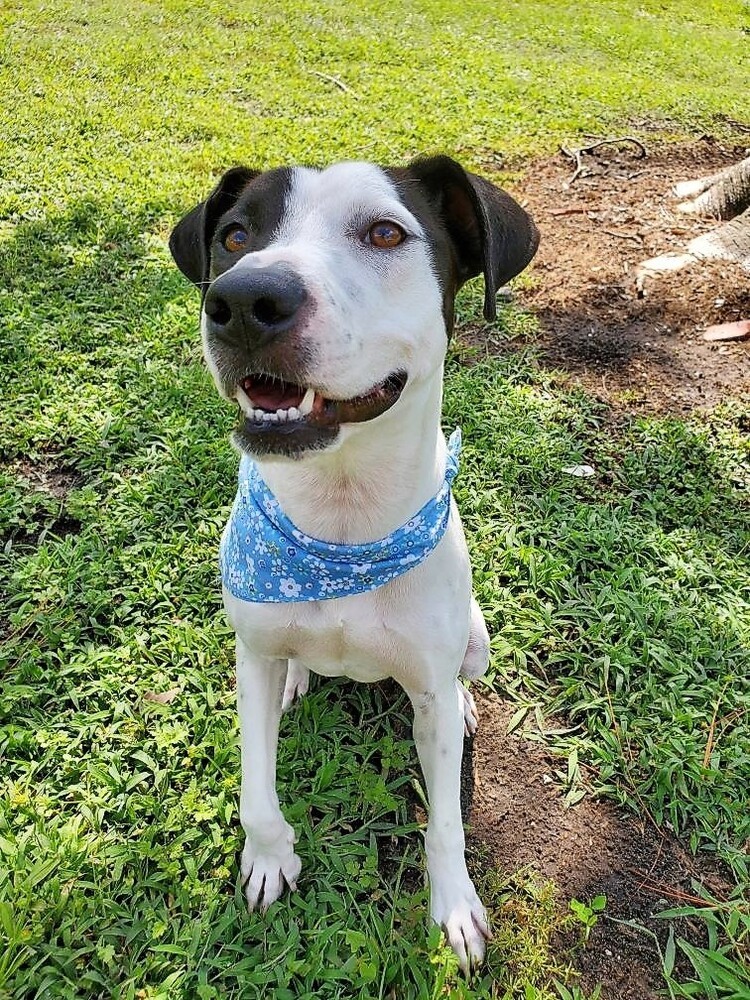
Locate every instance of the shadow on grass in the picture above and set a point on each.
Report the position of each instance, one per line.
(101, 352)
(95, 272)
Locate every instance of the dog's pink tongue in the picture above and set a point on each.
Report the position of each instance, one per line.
(272, 396)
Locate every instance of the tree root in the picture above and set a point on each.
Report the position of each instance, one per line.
(724, 195)
(720, 196)
(729, 242)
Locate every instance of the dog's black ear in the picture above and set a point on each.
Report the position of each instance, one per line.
(490, 232)
(191, 237)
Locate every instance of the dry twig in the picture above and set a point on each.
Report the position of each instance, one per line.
(578, 210)
(671, 892)
(577, 154)
(624, 236)
(710, 742)
(335, 81)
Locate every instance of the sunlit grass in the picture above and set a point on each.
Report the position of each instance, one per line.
(622, 600)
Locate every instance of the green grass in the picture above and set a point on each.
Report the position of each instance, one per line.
(622, 601)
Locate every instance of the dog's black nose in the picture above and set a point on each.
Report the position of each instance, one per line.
(254, 305)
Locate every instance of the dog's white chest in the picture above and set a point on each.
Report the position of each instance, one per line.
(332, 638)
(394, 631)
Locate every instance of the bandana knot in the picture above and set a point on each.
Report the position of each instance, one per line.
(266, 559)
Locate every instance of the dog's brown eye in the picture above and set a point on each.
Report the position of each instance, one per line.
(236, 239)
(386, 235)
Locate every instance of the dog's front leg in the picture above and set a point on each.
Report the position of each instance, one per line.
(454, 904)
(268, 858)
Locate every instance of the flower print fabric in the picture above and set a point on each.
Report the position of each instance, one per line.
(266, 559)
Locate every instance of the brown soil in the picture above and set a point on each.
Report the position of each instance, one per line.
(47, 476)
(517, 817)
(642, 353)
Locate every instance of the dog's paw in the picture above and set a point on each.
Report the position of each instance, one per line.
(297, 682)
(464, 921)
(469, 709)
(267, 870)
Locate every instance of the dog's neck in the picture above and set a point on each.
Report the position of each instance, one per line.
(381, 474)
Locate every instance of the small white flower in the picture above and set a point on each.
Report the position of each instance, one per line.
(289, 587)
(410, 558)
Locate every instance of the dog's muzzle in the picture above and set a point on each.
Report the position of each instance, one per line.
(253, 319)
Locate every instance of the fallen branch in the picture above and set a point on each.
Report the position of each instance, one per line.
(577, 154)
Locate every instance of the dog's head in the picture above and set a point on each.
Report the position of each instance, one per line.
(327, 294)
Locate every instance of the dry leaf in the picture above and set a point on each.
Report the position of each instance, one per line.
(162, 697)
(728, 331)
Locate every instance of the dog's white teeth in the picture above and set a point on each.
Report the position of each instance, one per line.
(279, 417)
(265, 416)
(306, 405)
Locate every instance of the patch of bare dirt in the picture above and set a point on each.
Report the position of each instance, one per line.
(44, 475)
(517, 815)
(47, 477)
(643, 352)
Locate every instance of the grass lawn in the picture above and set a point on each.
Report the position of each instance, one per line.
(622, 602)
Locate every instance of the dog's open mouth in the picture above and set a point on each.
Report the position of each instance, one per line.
(286, 406)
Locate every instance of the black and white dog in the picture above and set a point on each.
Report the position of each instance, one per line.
(328, 301)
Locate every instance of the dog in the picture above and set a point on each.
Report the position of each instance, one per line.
(327, 307)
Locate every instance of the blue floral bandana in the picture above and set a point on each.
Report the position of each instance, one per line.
(267, 560)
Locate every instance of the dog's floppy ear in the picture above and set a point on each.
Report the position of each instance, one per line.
(490, 232)
(191, 237)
